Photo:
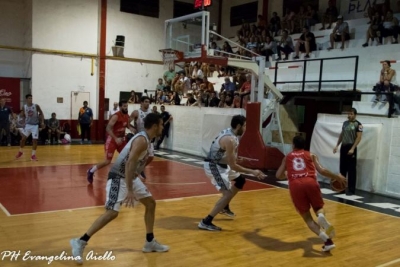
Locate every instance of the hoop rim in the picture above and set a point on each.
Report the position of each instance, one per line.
(178, 54)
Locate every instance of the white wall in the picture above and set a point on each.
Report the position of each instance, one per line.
(15, 30)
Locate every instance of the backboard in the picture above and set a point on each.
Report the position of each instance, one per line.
(189, 34)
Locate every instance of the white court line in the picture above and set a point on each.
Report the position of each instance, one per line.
(389, 263)
(176, 183)
(4, 210)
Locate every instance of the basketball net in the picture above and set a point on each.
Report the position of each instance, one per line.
(169, 57)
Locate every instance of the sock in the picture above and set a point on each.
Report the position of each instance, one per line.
(33, 152)
(208, 219)
(93, 169)
(85, 238)
(149, 237)
(323, 236)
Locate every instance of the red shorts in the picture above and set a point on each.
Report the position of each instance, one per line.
(305, 192)
(110, 146)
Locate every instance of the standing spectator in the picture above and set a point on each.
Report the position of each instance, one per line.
(169, 75)
(85, 119)
(288, 21)
(5, 113)
(134, 98)
(386, 81)
(114, 110)
(372, 32)
(311, 17)
(154, 110)
(167, 118)
(350, 137)
(306, 43)
(274, 24)
(53, 125)
(340, 33)
(286, 45)
(330, 15)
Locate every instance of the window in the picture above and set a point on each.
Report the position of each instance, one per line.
(149, 8)
(246, 12)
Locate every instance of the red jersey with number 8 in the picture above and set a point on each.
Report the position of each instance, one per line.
(299, 164)
(121, 124)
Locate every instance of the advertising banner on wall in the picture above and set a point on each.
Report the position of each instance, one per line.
(356, 9)
(10, 90)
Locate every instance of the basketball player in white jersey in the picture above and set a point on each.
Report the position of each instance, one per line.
(34, 117)
(124, 186)
(137, 117)
(222, 168)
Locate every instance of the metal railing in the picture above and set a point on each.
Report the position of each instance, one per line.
(321, 68)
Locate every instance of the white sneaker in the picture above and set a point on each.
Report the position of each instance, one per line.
(329, 247)
(77, 249)
(329, 229)
(154, 246)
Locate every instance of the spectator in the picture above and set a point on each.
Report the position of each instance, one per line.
(340, 33)
(386, 81)
(169, 75)
(167, 118)
(301, 17)
(372, 32)
(306, 43)
(288, 21)
(208, 87)
(197, 73)
(53, 126)
(114, 110)
(213, 100)
(160, 85)
(286, 45)
(190, 100)
(228, 86)
(134, 98)
(390, 27)
(244, 92)
(236, 100)
(269, 48)
(311, 17)
(154, 110)
(274, 24)
(5, 112)
(261, 23)
(330, 15)
(85, 119)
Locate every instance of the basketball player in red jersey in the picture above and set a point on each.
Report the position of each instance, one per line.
(116, 137)
(301, 168)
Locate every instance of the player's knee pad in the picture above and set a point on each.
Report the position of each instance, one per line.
(239, 182)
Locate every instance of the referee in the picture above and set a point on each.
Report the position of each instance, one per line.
(350, 137)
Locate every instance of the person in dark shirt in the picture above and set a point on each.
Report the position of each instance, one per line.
(5, 113)
(306, 43)
(330, 15)
(274, 24)
(167, 118)
(85, 120)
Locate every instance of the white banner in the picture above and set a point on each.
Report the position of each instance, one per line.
(356, 9)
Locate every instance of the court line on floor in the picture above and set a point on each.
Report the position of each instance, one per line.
(389, 263)
(147, 182)
(102, 206)
(4, 210)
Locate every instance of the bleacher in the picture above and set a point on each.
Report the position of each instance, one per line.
(369, 65)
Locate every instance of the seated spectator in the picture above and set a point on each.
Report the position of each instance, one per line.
(228, 86)
(213, 101)
(197, 73)
(274, 24)
(306, 43)
(371, 11)
(228, 101)
(190, 100)
(268, 48)
(208, 87)
(372, 32)
(287, 22)
(330, 15)
(311, 17)
(286, 45)
(244, 91)
(53, 126)
(301, 17)
(160, 85)
(390, 27)
(175, 81)
(340, 33)
(252, 44)
(387, 81)
(236, 100)
(134, 98)
(261, 23)
(169, 75)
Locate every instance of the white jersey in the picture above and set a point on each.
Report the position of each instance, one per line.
(216, 153)
(118, 169)
(140, 119)
(31, 114)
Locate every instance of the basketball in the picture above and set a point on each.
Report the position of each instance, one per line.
(337, 186)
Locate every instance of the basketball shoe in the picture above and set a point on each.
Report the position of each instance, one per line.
(77, 246)
(209, 227)
(323, 222)
(228, 213)
(154, 246)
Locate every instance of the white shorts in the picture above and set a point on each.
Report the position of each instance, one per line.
(220, 177)
(117, 191)
(31, 129)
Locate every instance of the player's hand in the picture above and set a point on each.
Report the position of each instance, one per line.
(259, 174)
(351, 152)
(129, 200)
(335, 150)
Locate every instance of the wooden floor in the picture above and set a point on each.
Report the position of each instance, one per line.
(266, 232)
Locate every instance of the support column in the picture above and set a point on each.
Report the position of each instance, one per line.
(100, 134)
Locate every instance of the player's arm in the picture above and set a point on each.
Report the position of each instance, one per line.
(280, 173)
(325, 172)
(110, 126)
(228, 144)
(138, 146)
(41, 115)
(130, 127)
(133, 118)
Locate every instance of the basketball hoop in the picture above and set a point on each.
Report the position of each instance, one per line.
(170, 57)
